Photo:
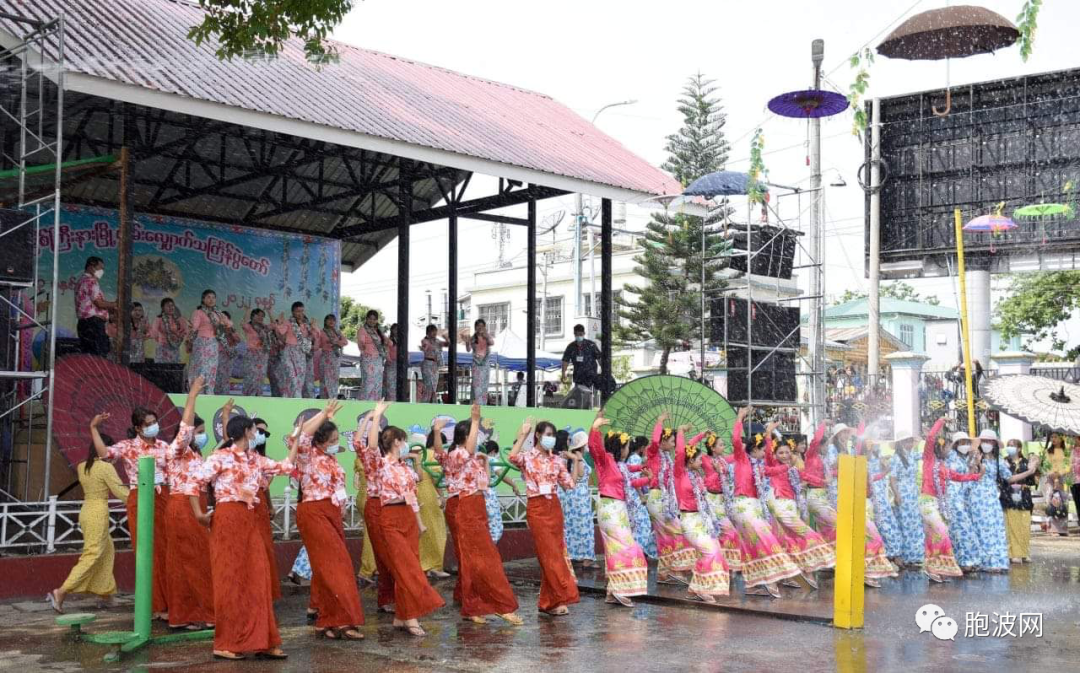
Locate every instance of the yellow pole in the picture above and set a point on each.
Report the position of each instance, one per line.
(850, 543)
(964, 329)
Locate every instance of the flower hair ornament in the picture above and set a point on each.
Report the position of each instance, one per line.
(691, 451)
(791, 442)
(710, 441)
(623, 437)
(759, 439)
(668, 432)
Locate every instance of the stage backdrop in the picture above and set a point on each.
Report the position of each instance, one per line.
(177, 258)
(500, 424)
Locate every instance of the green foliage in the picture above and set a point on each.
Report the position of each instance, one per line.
(1027, 23)
(667, 307)
(352, 316)
(895, 290)
(1037, 304)
(861, 60)
(261, 27)
(759, 175)
(620, 368)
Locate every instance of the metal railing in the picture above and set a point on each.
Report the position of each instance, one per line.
(53, 525)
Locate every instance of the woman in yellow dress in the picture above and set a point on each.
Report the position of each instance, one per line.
(367, 556)
(93, 574)
(433, 539)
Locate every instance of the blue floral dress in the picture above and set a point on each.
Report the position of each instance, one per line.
(884, 515)
(912, 549)
(641, 524)
(966, 547)
(494, 510)
(578, 527)
(987, 516)
(301, 567)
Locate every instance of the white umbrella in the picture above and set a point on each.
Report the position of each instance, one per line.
(1037, 400)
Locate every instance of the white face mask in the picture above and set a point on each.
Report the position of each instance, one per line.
(151, 431)
(963, 448)
(403, 450)
(331, 449)
(547, 442)
(1011, 450)
(986, 447)
(99, 273)
(260, 438)
(200, 440)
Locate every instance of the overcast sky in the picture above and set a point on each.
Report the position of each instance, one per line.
(589, 54)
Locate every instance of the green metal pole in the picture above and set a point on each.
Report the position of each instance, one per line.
(144, 550)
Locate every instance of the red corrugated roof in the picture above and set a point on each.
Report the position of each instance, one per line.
(144, 43)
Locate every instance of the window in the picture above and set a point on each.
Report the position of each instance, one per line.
(497, 317)
(591, 299)
(907, 335)
(552, 314)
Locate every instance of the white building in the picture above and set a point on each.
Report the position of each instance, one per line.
(498, 296)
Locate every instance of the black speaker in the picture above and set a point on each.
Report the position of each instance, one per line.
(773, 378)
(67, 346)
(773, 248)
(772, 326)
(168, 377)
(17, 258)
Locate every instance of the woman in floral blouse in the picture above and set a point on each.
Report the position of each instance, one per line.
(169, 330)
(401, 526)
(243, 602)
(544, 472)
(319, 516)
(208, 335)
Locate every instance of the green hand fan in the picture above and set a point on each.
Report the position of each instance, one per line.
(635, 407)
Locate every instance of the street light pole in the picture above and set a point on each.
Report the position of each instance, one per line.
(816, 345)
(579, 225)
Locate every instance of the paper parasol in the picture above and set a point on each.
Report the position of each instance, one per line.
(1038, 211)
(635, 407)
(808, 104)
(87, 385)
(989, 223)
(1037, 400)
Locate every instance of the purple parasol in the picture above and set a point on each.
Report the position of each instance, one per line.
(808, 104)
(989, 223)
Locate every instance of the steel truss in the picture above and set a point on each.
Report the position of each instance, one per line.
(31, 123)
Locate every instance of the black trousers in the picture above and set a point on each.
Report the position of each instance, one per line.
(93, 339)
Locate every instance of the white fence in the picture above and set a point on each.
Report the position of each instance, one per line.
(45, 527)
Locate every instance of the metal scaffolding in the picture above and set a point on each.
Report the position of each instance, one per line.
(31, 146)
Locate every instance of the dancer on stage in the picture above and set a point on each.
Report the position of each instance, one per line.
(190, 596)
(933, 503)
(984, 503)
(169, 330)
(544, 472)
(143, 441)
(401, 525)
(484, 588)
(699, 526)
(480, 346)
(259, 340)
(969, 551)
(390, 368)
(627, 570)
(93, 574)
(765, 563)
(677, 555)
(788, 507)
(296, 335)
(431, 346)
(140, 333)
(206, 337)
(319, 517)
(904, 476)
(331, 341)
(243, 603)
(373, 355)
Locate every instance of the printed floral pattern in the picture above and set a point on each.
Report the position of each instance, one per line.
(939, 550)
(321, 476)
(627, 570)
(398, 482)
(987, 516)
(911, 525)
(711, 576)
(806, 547)
(578, 526)
(675, 553)
(641, 523)
(542, 472)
(204, 363)
(236, 474)
(764, 558)
(969, 552)
(372, 383)
(87, 290)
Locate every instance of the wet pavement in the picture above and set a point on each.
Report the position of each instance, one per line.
(656, 635)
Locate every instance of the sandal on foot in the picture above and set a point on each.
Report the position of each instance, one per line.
(623, 600)
(50, 598)
(227, 655)
(704, 598)
(329, 634)
(873, 584)
(773, 590)
(416, 631)
(511, 618)
(810, 580)
(791, 583)
(352, 634)
(388, 609)
(475, 619)
(438, 574)
(275, 653)
(560, 611)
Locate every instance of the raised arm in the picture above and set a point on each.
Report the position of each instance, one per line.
(474, 428)
(596, 440)
(931, 440)
(712, 477)
(312, 424)
(736, 434)
(515, 453)
(815, 444)
(376, 422)
(95, 436)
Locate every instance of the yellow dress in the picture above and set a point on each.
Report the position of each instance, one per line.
(93, 574)
(367, 556)
(433, 539)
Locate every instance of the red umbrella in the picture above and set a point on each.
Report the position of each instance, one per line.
(87, 385)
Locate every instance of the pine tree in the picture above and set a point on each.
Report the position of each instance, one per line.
(667, 308)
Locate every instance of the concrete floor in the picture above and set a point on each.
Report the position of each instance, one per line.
(660, 634)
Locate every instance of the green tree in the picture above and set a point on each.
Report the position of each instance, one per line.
(667, 307)
(261, 27)
(352, 316)
(1037, 304)
(894, 290)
